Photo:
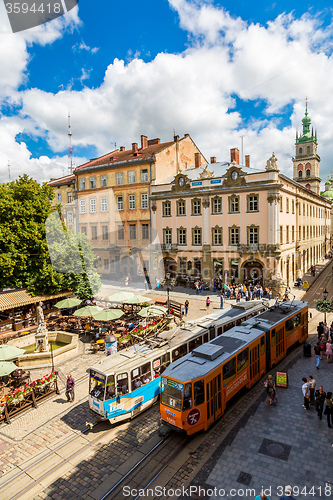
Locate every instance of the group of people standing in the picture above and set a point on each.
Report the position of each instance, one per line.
(324, 344)
(321, 400)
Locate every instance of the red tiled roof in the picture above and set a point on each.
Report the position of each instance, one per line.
(67, 179)
(127, 155)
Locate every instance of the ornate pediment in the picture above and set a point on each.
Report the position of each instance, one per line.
(234, 176)
(206, 174)
(181, 183)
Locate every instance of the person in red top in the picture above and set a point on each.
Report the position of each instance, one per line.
(70, 388)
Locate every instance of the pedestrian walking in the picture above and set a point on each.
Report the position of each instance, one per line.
(329, 351)
(320, 397)
(186, 305)
(322, 346)
(329, 409)
(306, 394)
(271, 390)
(288, 491)
(221, 300)
(317, 351)
(207, 302)
(70, 388)
(312, 385)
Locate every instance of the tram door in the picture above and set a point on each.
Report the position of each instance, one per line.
(214, 399)
(254, 363)
(279, 343)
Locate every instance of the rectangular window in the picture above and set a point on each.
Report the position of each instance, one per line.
(92, 206)
(58, 197)
(287, 234)
(217, 205)
(105, 232)
(287, 205)
(181, 236)
(242, 360)
(82, 206)
(120, 203)
(82, 184)
(106, 264)
(304, 232)
(94, 233)
(281, 235)
(196, 207)
(144, 175)
(131, 202)
(253, 235)
(132, 233)
(217, 236)
(167, 236)
(69, 216)
(121, 232)
(253, 203)
(144, 200)
(281, 204)
(229, 371)
(293, 206)
(69, 197)
(119, 178)
(234, 236)
(167, 209)
(181, 208)
(104, 206)
(131, 176)
(103, 181)
(145, 231)
(196, 236)
(84, 230)
(292, 234)
(234, 204)
(299, 232)
(92, 182)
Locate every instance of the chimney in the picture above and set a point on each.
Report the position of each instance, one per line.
(122, 148)
(176, 138)
(234, 155)
(186, 135)
(134, 147)
(213, 159)
(197, 160)
(152, 142)
(144, 141)
(247, 161)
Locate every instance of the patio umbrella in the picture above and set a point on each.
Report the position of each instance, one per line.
(152, 311)
(122, 297)
(10, 352)
(108, 314)
(88, 311)
(68, 303)
(6, 367)
(138, 299)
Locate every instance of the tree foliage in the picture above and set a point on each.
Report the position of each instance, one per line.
(30, 237)
(324, 306)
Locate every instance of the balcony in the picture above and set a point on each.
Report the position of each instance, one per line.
(169, 247)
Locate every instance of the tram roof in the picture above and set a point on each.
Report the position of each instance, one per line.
(209, 356)
(140, 353)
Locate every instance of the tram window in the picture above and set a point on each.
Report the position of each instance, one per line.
(141, 376)
(205, 338)
(110, 387)
(172, 393)
(97, 385)
(297, 320)
(122, 383)
(211, 332)
(289, 324)
(228, 326)
(262, 346)
(220, 330)
(187, 402)
(195, 343)
(238, 322)
(179, 352)
(199, 392)
(273, 340)
(229, 371)
(242, 360)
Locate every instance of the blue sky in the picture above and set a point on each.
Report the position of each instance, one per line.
(214, 70)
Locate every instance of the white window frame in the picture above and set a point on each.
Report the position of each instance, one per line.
(131, 176)
(93, 208)
(82, 183)
(144, 200)
(82, 206)
(144, 175)
(92, 182)
(104, 181)
(119, 178)
(131, 202)
(69, 216)
(104, 205)
(58, 197)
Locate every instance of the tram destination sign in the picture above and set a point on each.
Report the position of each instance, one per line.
(281, 379)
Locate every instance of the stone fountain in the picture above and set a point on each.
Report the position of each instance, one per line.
(41, 335)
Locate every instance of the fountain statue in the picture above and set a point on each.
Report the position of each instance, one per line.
(41, 336)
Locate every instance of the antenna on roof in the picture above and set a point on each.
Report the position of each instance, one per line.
(242, 149)
(71, 164)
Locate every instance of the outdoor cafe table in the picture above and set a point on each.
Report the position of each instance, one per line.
(100, 341)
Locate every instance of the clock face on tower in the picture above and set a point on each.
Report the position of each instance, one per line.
(181, 181)
(234, 175)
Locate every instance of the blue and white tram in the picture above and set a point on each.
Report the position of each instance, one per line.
(128, 382)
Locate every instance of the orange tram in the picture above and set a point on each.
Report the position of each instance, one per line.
(197, 387)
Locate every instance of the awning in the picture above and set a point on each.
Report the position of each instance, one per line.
(21, 298)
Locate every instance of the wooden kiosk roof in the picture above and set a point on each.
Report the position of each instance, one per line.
(20, 298)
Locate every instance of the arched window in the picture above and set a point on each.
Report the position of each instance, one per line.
(308, 173)
(308, 149)
(300, 151)
(300, 173)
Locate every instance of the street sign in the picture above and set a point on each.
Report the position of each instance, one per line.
(281, 379)
(305, 284)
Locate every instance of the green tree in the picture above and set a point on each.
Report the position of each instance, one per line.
(324, 306)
